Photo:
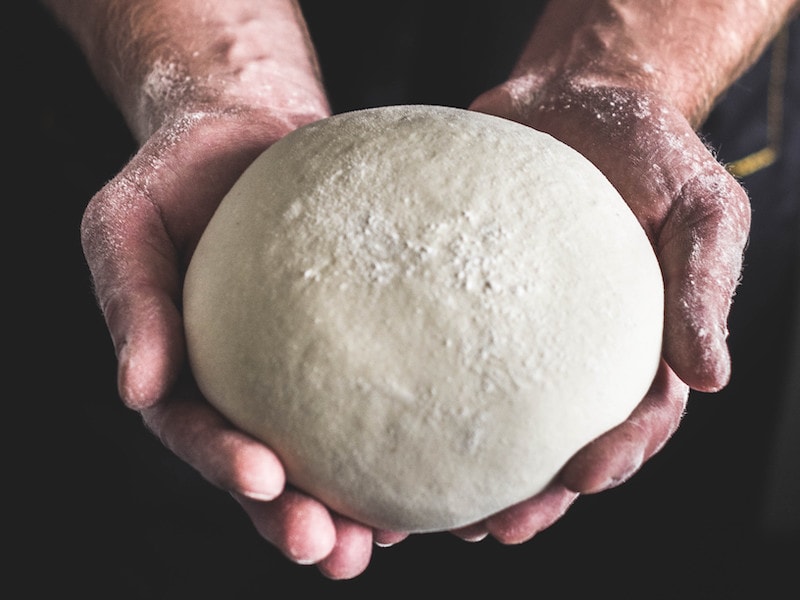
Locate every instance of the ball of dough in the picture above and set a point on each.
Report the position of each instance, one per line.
(424, 311)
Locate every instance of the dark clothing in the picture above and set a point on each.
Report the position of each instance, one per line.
(116, 516)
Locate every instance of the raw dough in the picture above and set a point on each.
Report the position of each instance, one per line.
(425, 311)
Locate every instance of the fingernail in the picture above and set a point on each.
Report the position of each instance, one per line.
(475, 538)
(622, 475)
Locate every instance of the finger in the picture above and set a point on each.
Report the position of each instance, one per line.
(351, 553)
(134, 272)
(700, 249)
(616, 455)
(296, 524)
(522, 521)
(222, 454)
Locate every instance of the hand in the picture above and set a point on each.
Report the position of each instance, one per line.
(697, 219)
(138, 233)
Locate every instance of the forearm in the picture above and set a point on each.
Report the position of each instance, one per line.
(157, 58)
(685, 50)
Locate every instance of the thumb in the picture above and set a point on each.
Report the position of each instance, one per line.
(136, 283)
(700, 248)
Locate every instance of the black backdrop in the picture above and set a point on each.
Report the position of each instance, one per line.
(98, 509)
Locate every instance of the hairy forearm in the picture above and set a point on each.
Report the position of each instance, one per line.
(157, 58)
(687, 50)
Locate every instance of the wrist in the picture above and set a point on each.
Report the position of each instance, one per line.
(227, 139)
(161, 60)
(683, 52)
(170, 93)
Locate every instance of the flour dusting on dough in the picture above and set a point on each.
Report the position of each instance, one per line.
(425, 311)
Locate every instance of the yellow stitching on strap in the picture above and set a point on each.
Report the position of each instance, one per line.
(777, 80)
(753, 162)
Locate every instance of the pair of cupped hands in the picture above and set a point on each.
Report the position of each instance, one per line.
(140, 230)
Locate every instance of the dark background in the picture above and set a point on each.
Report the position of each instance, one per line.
(98, 509)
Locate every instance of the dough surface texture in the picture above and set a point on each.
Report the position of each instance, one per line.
(424, 311)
